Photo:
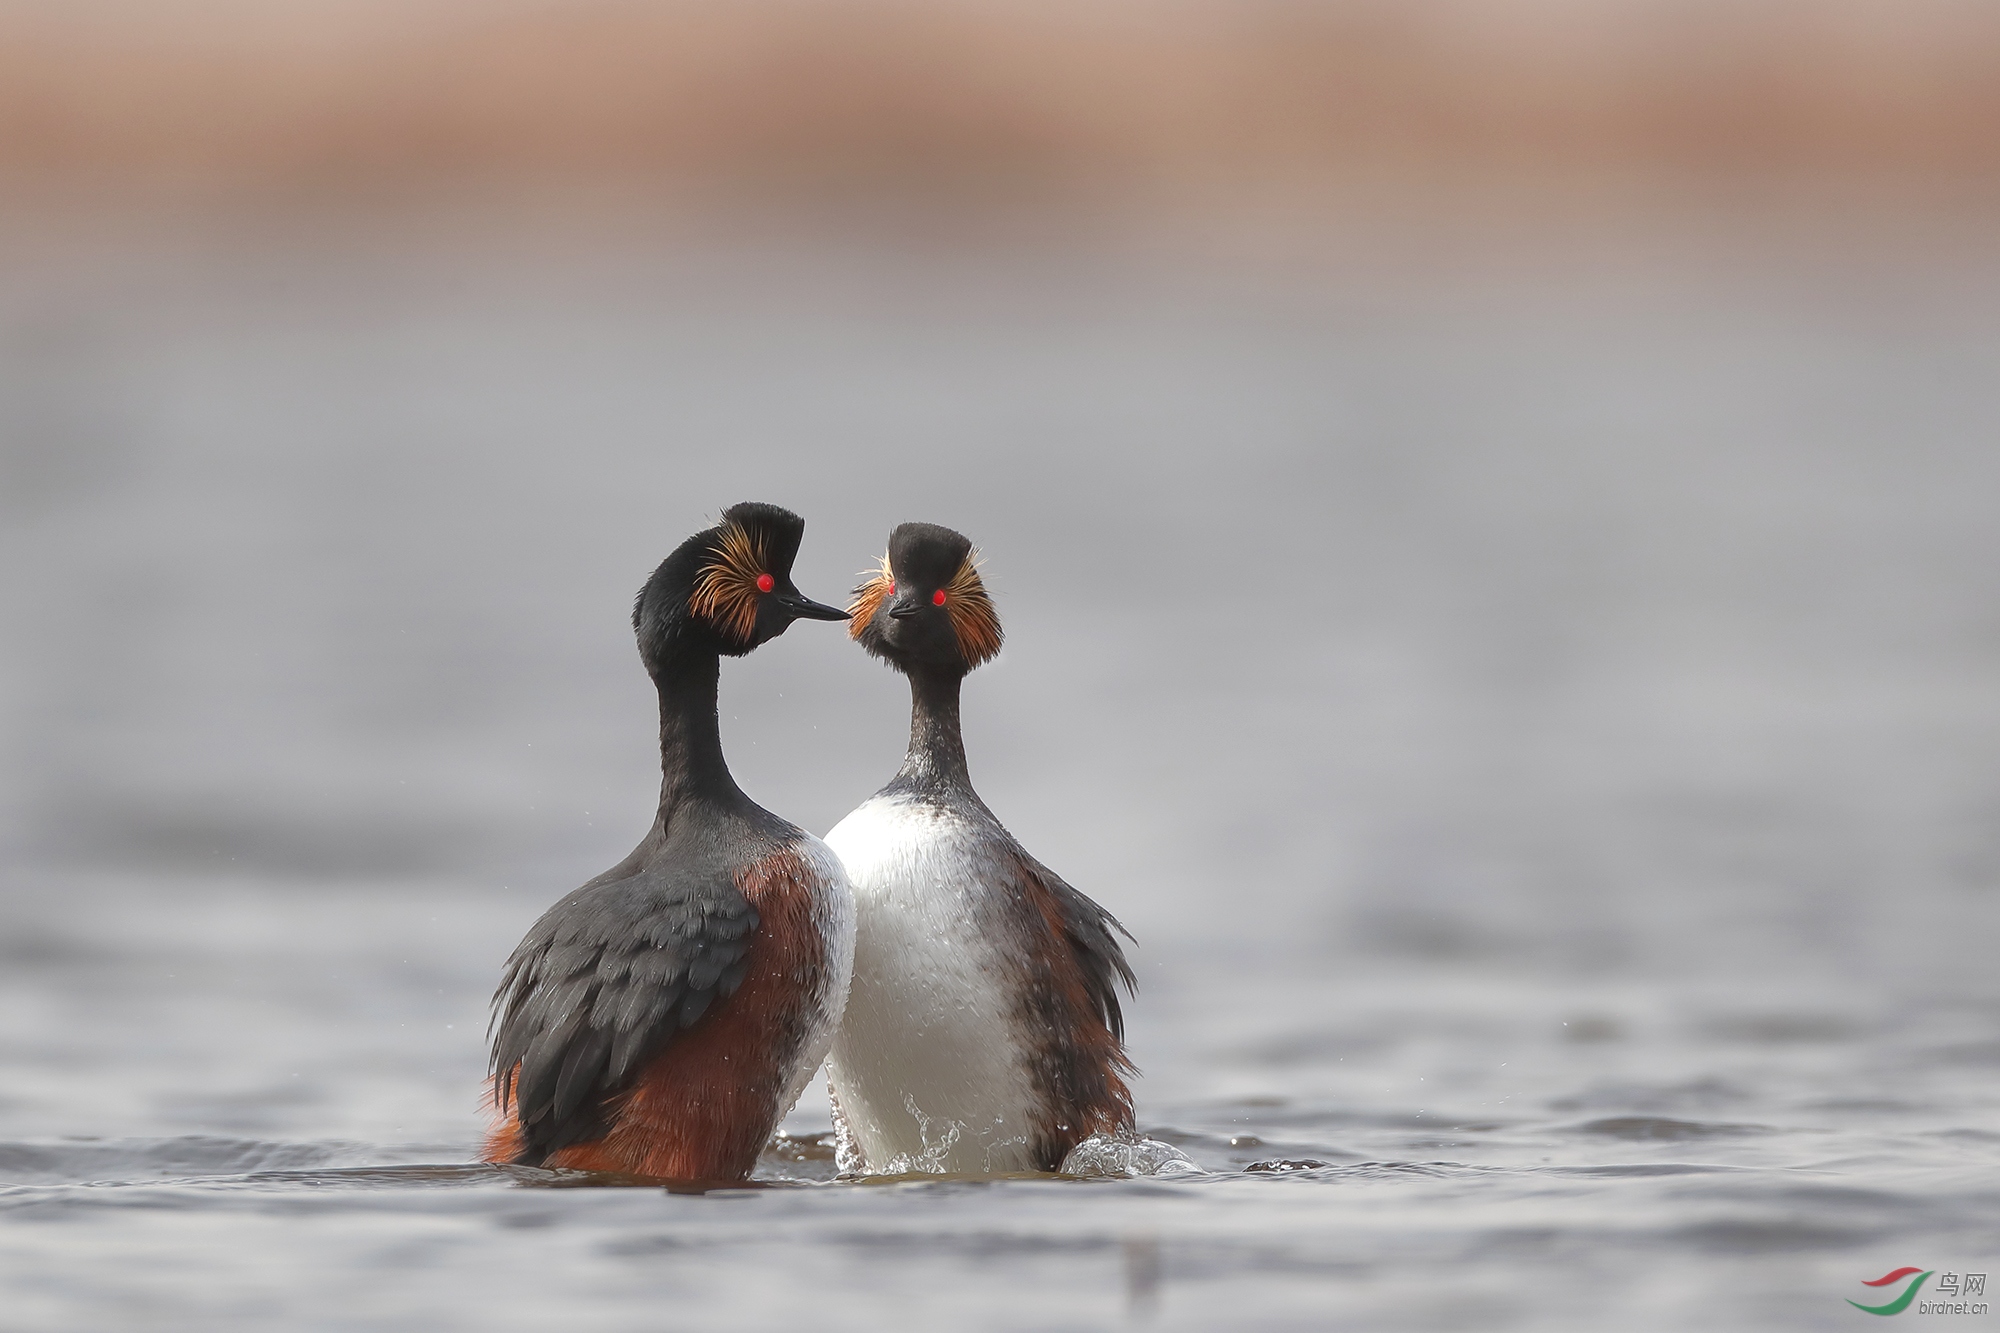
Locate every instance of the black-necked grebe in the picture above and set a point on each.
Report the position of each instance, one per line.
(660, 1020)
(982, 1031)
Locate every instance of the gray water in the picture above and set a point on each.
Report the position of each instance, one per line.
(1537, 715)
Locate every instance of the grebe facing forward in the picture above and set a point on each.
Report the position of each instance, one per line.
(982, 1032)
(660, 1020)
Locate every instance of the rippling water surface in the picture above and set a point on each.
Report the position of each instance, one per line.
(1539, 723)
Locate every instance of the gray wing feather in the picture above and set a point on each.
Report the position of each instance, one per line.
(599, 986)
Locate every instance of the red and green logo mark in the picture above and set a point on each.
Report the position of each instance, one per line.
(1901, 1302)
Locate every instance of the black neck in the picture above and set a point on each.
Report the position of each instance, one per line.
(691, 764)
(936, 758)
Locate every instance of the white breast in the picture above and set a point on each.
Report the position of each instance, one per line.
(928, 1074)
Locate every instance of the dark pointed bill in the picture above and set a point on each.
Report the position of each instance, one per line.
(805, 608)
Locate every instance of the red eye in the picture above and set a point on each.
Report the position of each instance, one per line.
(937, 598)
(892, 585)
(765, 583)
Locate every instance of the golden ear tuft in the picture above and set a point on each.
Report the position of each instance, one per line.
(725, 592)
(876, 585)
(973, 619)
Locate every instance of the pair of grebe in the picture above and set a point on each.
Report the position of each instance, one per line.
(661, 1020)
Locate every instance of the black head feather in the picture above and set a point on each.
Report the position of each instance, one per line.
(706, 597)
(927, 606)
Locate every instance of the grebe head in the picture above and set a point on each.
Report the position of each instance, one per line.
(926, 605)
(727, 589)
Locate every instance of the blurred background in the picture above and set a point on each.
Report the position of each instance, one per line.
(1495, 505)
(1098, 99)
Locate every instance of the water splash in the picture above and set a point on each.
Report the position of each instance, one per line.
(1127, 1156)
(939, 1136)
(847, 1156)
